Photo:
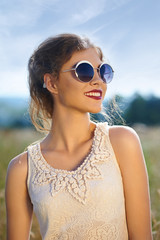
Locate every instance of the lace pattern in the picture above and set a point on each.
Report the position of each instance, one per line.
(84, 204)
(75, 182)
(96, 231)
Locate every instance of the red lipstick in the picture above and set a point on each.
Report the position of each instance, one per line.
(95, 94)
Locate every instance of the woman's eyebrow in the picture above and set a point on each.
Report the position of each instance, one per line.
(74, 65)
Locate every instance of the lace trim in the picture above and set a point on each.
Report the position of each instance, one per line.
(95, 231)
(75, 182)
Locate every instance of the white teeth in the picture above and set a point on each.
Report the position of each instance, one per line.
(97, 94)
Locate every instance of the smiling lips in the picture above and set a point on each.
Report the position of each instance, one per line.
(95, 94)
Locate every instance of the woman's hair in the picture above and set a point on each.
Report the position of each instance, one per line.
(49, 57)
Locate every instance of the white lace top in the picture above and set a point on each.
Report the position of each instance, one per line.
(83, 204)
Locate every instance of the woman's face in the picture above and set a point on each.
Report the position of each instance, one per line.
(73, 94)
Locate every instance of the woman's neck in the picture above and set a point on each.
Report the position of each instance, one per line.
(69, 131)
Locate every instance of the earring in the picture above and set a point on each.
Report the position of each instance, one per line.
(44, 85)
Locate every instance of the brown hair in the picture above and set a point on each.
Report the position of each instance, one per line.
(49, 57)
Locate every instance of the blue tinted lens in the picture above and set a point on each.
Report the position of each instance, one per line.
(85, 72)
(106, 73)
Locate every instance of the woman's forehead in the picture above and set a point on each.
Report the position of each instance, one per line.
(89, 54)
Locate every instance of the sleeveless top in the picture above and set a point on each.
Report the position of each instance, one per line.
(83, 204)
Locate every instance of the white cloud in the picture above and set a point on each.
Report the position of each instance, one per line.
(22, 12)
(14, 83)
(118, 3)
(15, 51)
(88, 10)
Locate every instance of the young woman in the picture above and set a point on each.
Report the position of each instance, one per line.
(84, 180)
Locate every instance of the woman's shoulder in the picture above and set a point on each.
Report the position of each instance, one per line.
(16, 190)
(17, 168)
(123, 135)
(125, 142)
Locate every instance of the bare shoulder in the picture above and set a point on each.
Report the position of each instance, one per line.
(17, 168)
(126, 143)
(18, 163)
(123, 135)
(16, 180)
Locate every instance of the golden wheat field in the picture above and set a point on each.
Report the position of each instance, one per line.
(13, 142)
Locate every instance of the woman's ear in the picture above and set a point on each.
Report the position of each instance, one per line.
(50, 82)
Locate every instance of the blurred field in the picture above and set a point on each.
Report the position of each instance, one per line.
(13, 142)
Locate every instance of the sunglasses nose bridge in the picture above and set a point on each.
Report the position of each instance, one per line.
(96, 76)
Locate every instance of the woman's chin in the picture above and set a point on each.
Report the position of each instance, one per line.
(96, 110)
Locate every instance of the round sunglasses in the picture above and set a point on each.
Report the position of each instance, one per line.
(84, 71)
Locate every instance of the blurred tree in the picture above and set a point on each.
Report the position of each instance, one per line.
(119, 110)
(143, 110)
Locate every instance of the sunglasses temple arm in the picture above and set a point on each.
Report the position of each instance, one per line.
(67, 70)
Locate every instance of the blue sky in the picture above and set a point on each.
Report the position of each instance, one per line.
(128, 31)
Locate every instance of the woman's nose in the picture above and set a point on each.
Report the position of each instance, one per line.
(96, 78)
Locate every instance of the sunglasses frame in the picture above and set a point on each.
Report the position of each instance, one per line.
(84, 61)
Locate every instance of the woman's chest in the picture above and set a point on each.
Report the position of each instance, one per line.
(93, 180)
(65, 160)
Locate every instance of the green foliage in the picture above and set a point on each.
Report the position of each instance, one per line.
(143, 110)
(138, 109)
